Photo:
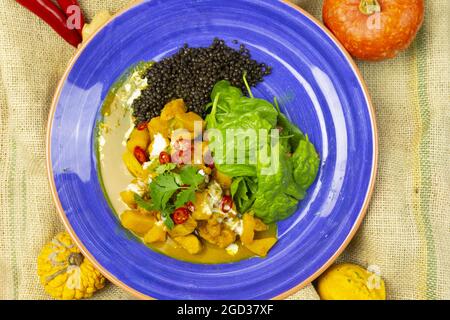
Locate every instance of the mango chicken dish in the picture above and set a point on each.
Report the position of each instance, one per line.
(173, 175)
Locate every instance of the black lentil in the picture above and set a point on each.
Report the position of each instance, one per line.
(191, 74)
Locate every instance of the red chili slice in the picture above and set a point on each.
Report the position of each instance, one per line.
(227, 203)
(140, 154)
(190, 206)
(180, 215)
(164, 157)
(141, 126)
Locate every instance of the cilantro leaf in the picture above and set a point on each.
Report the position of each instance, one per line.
(144, 204)
(162, 189)
(166, 217)
(185, 196)
(163, 168)
(164, 186)
(190, 176)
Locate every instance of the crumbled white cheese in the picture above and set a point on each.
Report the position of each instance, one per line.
(207, 209)
(201, 172)
(133, 187)
(232, 249)
(215, 193)
(146, 165)
(235, 225)
(158, 145)
(141, 184)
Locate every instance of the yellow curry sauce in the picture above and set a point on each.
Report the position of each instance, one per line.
(115, 129)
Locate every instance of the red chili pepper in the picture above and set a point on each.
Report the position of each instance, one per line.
(180, 215)
(67, 8)
(190, 206)
(140, 155)
(227, 203)
(54, 17)
(141, 126)
(164, 157)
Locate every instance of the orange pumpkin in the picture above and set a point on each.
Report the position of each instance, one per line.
(374, 29)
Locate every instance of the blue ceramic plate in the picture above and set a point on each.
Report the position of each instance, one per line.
(318, 87)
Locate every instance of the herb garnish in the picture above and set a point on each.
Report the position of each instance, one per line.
(166, 185)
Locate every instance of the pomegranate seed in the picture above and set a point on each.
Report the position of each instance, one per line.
(180, 215)
(140, 154)
(227, 203)
(164, 157)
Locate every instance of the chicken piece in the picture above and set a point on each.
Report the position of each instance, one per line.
(216, 233)
(225, 238)
(213, 227)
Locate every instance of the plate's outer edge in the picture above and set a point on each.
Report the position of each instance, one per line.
(285, 294)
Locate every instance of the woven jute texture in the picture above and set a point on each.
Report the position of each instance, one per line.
(405, 235)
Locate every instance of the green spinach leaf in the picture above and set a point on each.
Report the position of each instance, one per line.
(306, 163)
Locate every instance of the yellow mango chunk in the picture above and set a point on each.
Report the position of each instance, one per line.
(248, 229)
(260, 226)
(173, 108)
(188, 120)
(184, 229)
(201, 208)
(190, 243)
(134, 166)
(155, 234)
(223, 180)
(261, 246)
(157, 125)
(181, 134)
(350, 282)
(128, 197)
(137, 222)
(138, 138)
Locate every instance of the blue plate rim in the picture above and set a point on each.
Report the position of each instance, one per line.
(141, 295)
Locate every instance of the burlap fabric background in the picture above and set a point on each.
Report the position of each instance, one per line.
(406, 233)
